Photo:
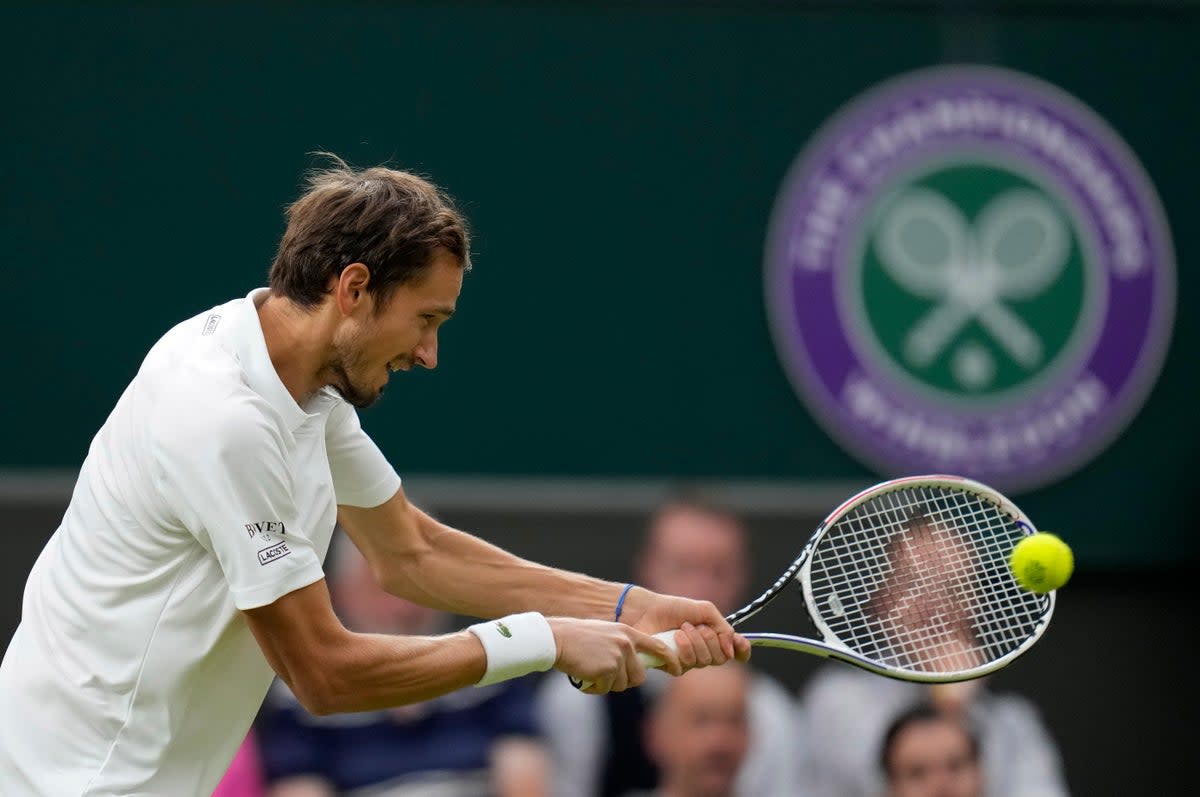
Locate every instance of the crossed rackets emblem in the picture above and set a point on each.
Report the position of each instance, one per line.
(1016, 248)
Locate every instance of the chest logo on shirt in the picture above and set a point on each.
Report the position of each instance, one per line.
(273, 553)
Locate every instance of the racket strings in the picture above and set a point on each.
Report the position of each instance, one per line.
(918, 578)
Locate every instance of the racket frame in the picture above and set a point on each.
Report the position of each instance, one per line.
(832, 647)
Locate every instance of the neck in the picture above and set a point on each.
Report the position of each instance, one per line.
(297, 342)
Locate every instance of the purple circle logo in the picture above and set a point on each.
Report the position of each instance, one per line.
(968, 271)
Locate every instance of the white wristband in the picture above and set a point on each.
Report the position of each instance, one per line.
(515, 645)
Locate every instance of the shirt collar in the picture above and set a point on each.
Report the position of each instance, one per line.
(249, 347)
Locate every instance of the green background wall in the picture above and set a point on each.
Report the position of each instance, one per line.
(618, 162)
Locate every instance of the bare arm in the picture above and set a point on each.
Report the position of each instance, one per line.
(416, 557)
(420, 559)
(331, 669)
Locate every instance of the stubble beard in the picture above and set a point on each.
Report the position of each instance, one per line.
(346, 360)
(353, 394)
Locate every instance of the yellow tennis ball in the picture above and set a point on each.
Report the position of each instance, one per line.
(1042, 562)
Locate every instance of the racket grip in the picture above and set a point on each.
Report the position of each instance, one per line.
(647, 659)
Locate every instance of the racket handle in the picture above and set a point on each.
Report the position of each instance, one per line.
(647, 659)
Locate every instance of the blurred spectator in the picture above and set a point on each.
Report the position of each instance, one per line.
(697, 733)
(928, 752)
(244, 778)
(920, 614)
(845, 712)
(697, 550)
(473, 743)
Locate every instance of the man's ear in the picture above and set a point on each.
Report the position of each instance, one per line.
(350, 290)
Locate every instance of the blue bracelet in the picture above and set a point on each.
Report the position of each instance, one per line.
(621, 601)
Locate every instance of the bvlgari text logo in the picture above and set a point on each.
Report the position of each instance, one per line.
(265, 528)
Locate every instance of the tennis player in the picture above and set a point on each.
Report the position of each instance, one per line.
(187, 568)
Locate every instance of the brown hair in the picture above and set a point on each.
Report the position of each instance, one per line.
(922, 712)
(696, 499)
(388, 220)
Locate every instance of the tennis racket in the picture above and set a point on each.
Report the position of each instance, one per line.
(911, 579)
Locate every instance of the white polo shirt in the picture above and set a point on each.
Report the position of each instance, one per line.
(207, 490)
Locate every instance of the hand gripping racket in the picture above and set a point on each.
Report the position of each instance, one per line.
(911, 579)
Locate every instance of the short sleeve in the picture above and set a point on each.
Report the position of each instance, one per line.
(225, 468)
(362, 476)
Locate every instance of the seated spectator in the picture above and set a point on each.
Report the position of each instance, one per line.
(697, 732)
(930, 753)
(696, 550)
(472, 743)
(845, 711)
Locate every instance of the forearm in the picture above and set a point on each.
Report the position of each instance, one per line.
(332, 670)
(415, 557)
(379, 671)
(457, 572)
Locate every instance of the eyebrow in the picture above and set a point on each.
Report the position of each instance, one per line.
(447, 310)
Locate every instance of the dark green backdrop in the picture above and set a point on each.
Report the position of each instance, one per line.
(618, 162)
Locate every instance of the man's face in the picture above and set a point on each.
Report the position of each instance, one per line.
(933, 759)
(369, 345)
(696, 554)
(698, 733)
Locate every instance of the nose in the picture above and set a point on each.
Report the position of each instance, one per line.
(425, 354)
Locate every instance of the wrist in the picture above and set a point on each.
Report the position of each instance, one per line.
(621, 600)
(516, 645)
(637, 601)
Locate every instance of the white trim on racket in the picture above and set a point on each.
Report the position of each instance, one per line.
(1011, 618)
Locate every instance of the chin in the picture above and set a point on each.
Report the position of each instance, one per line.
(357, 397)
(369, 399)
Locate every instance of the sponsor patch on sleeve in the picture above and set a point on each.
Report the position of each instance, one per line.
(273, 553)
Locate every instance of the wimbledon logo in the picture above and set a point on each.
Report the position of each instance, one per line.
(969, 272)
